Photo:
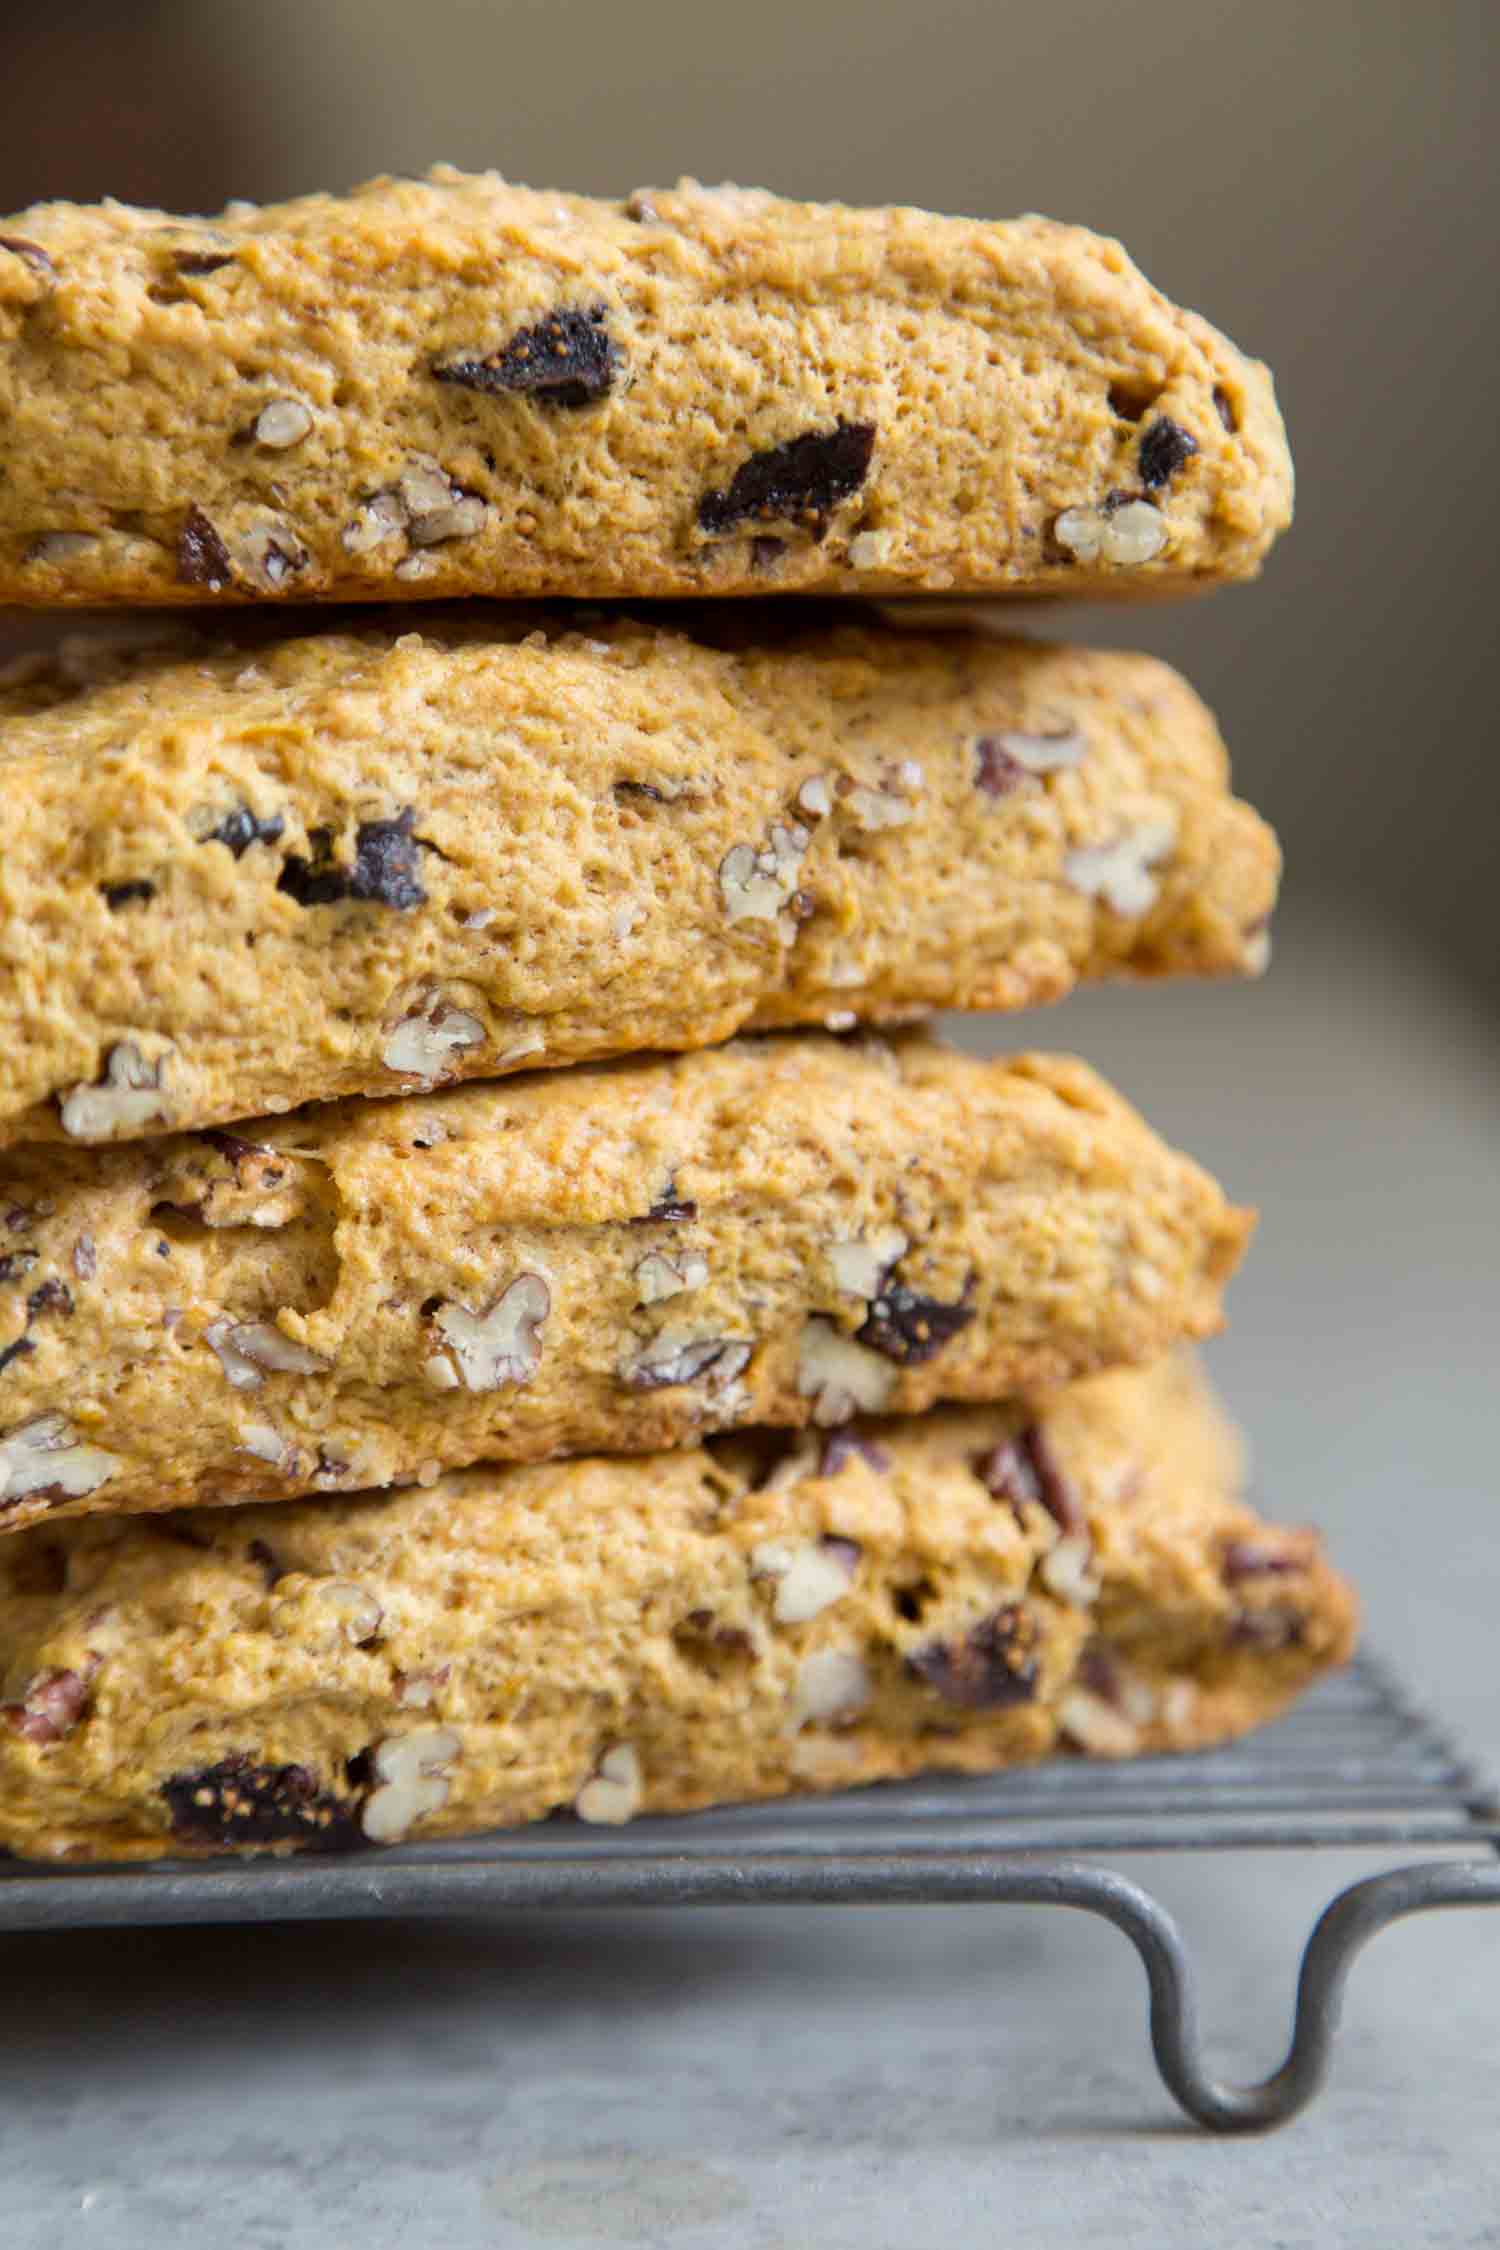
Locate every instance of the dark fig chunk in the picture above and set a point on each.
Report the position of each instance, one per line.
(994, 1665)
(117, 895)
(202, 557)
(386, 862)
(240, 828)
(195, 262)
(841, 1447)
(16, 1263)
(910, 1328)
(240, 1802)
(567, 359)
(1163, 450)
(384, 872)
(801, 481)
(20, 1349)
(1224, 408)
(1025, 1468)
(30, 253)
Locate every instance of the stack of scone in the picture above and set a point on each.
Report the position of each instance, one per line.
(499, 1312)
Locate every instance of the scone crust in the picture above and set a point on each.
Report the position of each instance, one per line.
(457, 386)
(615, 1258)
(974, 1589)
(267, 866)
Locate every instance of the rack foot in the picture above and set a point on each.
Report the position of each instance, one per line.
(1346, 1925)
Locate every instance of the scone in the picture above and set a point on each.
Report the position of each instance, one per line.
(240, 877)
(614, 1259)
(747, 1617)
(455, 386)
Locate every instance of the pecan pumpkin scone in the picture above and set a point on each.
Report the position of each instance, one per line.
(742, 1618)
(456, 386)
(615, 1258)
(239, 877)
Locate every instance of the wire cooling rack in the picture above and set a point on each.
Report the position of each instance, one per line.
(1354, 1765)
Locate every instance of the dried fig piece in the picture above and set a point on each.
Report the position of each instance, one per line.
(801, 481)
(237, 1801)
(910, 1328)
(993, 1665)
(1164, 448)
(566, 359)
(384, 873)
(202, 557)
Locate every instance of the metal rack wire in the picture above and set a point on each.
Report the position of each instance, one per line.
(1354, 1765)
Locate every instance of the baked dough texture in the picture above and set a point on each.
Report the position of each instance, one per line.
(739, 1619)
(242, 876)
(456, 386)
(617, 1258)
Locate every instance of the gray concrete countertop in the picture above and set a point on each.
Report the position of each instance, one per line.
(791, 2080)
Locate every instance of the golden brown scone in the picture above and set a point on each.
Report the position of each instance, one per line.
(965, 1590)
(455, 386)
(330, 865)
(614, 1258)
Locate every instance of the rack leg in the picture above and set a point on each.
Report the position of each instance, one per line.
(1348, 1923)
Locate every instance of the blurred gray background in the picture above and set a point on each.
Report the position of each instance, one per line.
(1322, 178)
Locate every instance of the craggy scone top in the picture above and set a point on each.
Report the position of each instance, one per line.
(615, 1258)
(244, 871)
(456, 386)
